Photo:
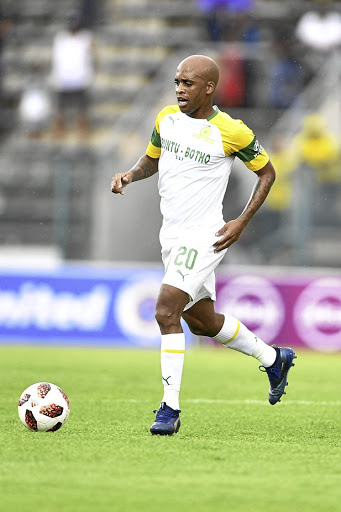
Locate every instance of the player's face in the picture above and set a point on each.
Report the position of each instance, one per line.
(192, 91)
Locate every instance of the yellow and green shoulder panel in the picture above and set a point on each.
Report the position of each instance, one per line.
(154, 146)
(239, 141)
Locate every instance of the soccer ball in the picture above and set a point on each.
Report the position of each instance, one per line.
(43, 407)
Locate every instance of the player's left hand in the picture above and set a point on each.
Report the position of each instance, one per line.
(228, 234)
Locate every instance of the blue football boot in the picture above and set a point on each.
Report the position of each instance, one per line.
(167, 421)
(278, 373)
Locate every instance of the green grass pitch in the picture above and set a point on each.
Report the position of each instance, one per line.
(234, 451)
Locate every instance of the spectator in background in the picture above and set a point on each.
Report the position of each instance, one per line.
(215, 11)
(92, 12)
(73, 67)
(35, 105)
(286, 75)
(320, 29)
(307, 173)
(317, 148)
(231, 89)
(316, 183)
(280, 195)
(230, 20)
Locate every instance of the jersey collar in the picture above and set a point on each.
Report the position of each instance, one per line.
(216, 112)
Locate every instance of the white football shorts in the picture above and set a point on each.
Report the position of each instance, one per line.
(190, 263)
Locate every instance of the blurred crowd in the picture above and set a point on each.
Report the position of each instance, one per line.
(251, 75)
(307, 163)
(54, 100)
(316, 148)
(297, 50)
(72, 73)
(266, 61)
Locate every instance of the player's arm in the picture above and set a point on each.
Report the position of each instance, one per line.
(144, 168)
(232, 230)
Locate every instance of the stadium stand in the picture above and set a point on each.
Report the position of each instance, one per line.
(52, 191)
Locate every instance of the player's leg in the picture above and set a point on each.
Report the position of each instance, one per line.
(82, 102)
(59, 125)
(202, 318)
(204, 321)
(169, 307)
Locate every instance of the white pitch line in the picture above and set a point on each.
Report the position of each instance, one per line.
(213, 401)
(261, 402)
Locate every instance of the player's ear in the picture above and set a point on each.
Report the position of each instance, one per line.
(210, 87)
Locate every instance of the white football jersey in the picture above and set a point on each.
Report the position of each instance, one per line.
(195, 160)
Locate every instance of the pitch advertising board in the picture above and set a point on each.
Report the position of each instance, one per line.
(285, 309)
(80, 305)
(87, 305)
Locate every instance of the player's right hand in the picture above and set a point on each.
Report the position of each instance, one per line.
(119, 181)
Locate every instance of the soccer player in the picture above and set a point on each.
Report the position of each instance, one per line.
(193, 147)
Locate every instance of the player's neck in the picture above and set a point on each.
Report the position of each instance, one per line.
(202, 113)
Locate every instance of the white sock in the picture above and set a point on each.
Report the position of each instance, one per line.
(237, 336)
(172, 361)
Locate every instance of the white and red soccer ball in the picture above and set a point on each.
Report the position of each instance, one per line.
(43, 407)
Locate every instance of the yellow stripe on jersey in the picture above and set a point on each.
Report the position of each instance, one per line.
(238, 140)
(154, 147)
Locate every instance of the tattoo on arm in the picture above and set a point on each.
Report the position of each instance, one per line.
(258, 196)
(144, 168)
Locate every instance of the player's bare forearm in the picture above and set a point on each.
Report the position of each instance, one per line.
(232, 230)
(144, 168)
(266, 178)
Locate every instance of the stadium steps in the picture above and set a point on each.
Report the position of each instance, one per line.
(129, 53)
(131, 59)
(28, 233)
(165, 9)
(171, 37)
(115, 82)
(325, 247)
(43, 197)
(129, 50)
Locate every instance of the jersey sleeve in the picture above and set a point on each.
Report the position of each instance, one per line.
(154, 147)
(253, 154)
(239, 141)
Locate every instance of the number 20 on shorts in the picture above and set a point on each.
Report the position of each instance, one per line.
(186, 257)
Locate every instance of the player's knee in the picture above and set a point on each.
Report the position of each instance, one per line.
(166, 317)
